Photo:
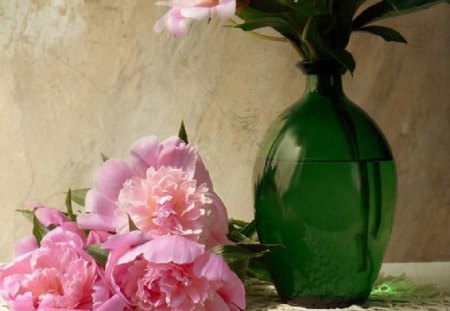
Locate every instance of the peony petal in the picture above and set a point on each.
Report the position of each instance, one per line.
(97, 237)
(226, 9)
(177, 154)
(25, 246)
(110, 178)
(174, 22)
(220, 215)
(126, 240)
(195, 12)
(176, 249)
(115, 303)
(96, 203)
(20, 265)
(49, 215)
(186, 3)
(23, 302)
(202, 175)
(145, 151)
(213, 268)
(97, 222)
(216, 303)
(59, 235)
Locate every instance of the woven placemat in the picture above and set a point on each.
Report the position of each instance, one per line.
(390, 293)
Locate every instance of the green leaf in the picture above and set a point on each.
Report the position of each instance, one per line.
(182, 134)
(343, 10)
(236, 257)
(104, 157)
(27, 213)
(258, 268)
(250, 229)
(345, 58)
(386, 33)
(237, 223)
(255, 19)
(69, 208)
(235, 228)
(100, 255)
(392, 8)
(79, 196)
(314, 9)
(258, 248)
(39, 230)
(231, 253)
(131, 225)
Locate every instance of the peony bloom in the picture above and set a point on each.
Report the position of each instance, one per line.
(59, 275)
(169, 273)
(177, 19)
(165, 189)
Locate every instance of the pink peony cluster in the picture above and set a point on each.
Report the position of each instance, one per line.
(182, 12)
(152, 219)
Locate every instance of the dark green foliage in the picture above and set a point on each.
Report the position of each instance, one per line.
(321, 29)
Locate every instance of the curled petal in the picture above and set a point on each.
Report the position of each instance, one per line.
(196, 12)
(110, 178)
(59, 235)
(97, 203)
(174, 22)
(97, 222)
(25, 245)
(226, 9)
(213, 268)
(49, 215)
(181, 250)
(144, 153)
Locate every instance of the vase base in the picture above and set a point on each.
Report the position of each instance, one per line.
(324, 302)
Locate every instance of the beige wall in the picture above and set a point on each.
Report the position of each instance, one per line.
(82, 77)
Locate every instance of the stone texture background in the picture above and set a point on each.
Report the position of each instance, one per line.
(82, 77)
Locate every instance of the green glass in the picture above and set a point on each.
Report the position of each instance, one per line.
(325, 188)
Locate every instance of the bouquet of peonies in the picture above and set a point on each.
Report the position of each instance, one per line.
(154, 236)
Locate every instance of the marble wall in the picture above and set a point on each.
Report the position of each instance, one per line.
(81, 77)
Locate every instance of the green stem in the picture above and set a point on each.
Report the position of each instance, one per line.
(305, 38)
(297, 47)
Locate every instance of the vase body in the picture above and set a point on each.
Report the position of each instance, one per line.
(325, 188)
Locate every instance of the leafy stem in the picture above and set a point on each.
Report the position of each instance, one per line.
(305, 38)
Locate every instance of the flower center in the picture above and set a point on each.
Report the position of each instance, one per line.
(166, 201)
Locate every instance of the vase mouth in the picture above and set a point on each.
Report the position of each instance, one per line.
(321, 66)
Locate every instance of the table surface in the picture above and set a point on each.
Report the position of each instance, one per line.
(407, 279)
(262, 296)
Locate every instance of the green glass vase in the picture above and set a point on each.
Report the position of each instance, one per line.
(325, 188)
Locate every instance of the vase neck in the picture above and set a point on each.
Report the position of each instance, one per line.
(325, 83)
(323, 76)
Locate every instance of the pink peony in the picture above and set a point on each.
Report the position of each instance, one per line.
(169, 273)
(59, 275)
(177, 19)
(165, 189)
